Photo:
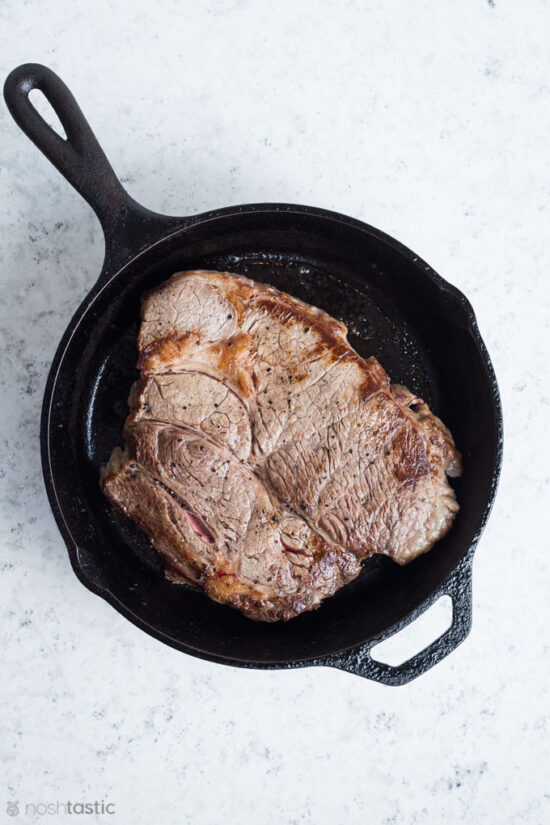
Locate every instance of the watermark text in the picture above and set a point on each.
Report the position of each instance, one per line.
(57, 808)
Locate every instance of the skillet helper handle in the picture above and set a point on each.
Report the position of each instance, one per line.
(360, 662)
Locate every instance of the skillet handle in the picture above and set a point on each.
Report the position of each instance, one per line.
(360, 662)
(81, 160)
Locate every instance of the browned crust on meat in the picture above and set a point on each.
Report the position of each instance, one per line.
(440, 445)
(288, 310)
(163, 350)
(234, 357)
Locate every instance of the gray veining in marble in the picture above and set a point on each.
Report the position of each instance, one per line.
(429, 120)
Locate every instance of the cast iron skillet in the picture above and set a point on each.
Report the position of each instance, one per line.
(397, 308)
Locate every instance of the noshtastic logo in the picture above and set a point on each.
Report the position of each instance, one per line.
(56, 808)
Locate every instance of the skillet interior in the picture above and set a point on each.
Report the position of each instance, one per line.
(419, 328)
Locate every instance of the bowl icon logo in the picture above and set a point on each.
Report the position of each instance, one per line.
(12, 808)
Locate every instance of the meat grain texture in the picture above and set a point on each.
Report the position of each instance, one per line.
(265, 459)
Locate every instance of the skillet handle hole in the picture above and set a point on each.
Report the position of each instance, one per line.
(417, 636)
(44, 108)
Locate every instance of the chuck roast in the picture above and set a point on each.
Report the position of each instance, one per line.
(264, 457)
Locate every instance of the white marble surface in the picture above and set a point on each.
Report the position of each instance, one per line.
(429, 120)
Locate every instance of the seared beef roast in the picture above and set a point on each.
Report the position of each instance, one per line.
(264, 458)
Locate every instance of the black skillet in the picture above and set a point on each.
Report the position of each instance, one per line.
(396, 307)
